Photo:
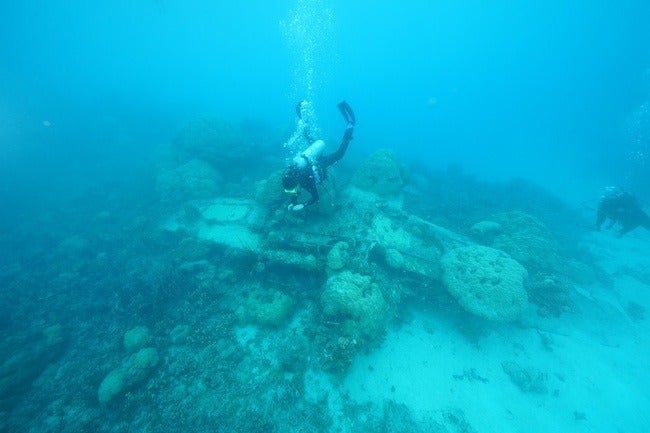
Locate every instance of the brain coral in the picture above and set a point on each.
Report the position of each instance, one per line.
(194, 179)
(486, 282)
(135, 369)
(269, 192)
(358, 301)
(338, 256)
(136, 338)
(381, 173)
(528, 241)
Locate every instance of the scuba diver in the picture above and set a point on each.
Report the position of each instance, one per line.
(309, 168)
(622, 209)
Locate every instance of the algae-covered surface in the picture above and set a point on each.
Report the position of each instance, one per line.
(234, 313)
(157, 276)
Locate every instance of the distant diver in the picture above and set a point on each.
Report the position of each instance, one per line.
(309, 168)
(619, 208)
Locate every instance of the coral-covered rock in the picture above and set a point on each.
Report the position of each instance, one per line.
(292, 259)
(486, 282)
(136, 338)
(358, 302)
(269, 192)
(266, 308)
(387, 233)
(134, 369)
(381, 174)
(485, 231)
(193, 180)
(527, 240)
(23, 360)
(137, 366)
(395, 259)
(552, 295)
(338, 256)
(179, 334)
(111, 386)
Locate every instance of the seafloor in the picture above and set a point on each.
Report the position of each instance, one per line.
(187, 298)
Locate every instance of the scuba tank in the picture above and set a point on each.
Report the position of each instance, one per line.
(310, 155)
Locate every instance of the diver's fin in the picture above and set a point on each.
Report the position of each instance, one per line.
(298, 110)
(347, 113)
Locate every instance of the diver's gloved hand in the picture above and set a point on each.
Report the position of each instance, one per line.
(296, 207)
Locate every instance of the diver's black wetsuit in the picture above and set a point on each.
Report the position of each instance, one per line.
(623, 209)
(311, 175)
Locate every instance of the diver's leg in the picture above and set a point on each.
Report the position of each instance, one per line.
(625, 229)
(646, 222)
(600, 218)
(327, 160)
(350, 120)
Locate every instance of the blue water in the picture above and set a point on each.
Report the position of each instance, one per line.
(532, 106)
(518, 87)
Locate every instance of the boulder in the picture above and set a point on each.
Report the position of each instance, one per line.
(358, 302)
(134, 370)
(381, 174)
(486, 282)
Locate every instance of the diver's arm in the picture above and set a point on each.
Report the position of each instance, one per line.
(607, 211)
(313, 191)
(309, 184)
(298, 207)
(600, 216)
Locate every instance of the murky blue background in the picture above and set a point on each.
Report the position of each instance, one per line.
(540, 90)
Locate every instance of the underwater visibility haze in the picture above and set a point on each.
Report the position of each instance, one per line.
(180, 252)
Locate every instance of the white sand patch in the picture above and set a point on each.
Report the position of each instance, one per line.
(629, 254)
(431, 373)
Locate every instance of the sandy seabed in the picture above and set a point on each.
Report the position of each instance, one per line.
(591, 363)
